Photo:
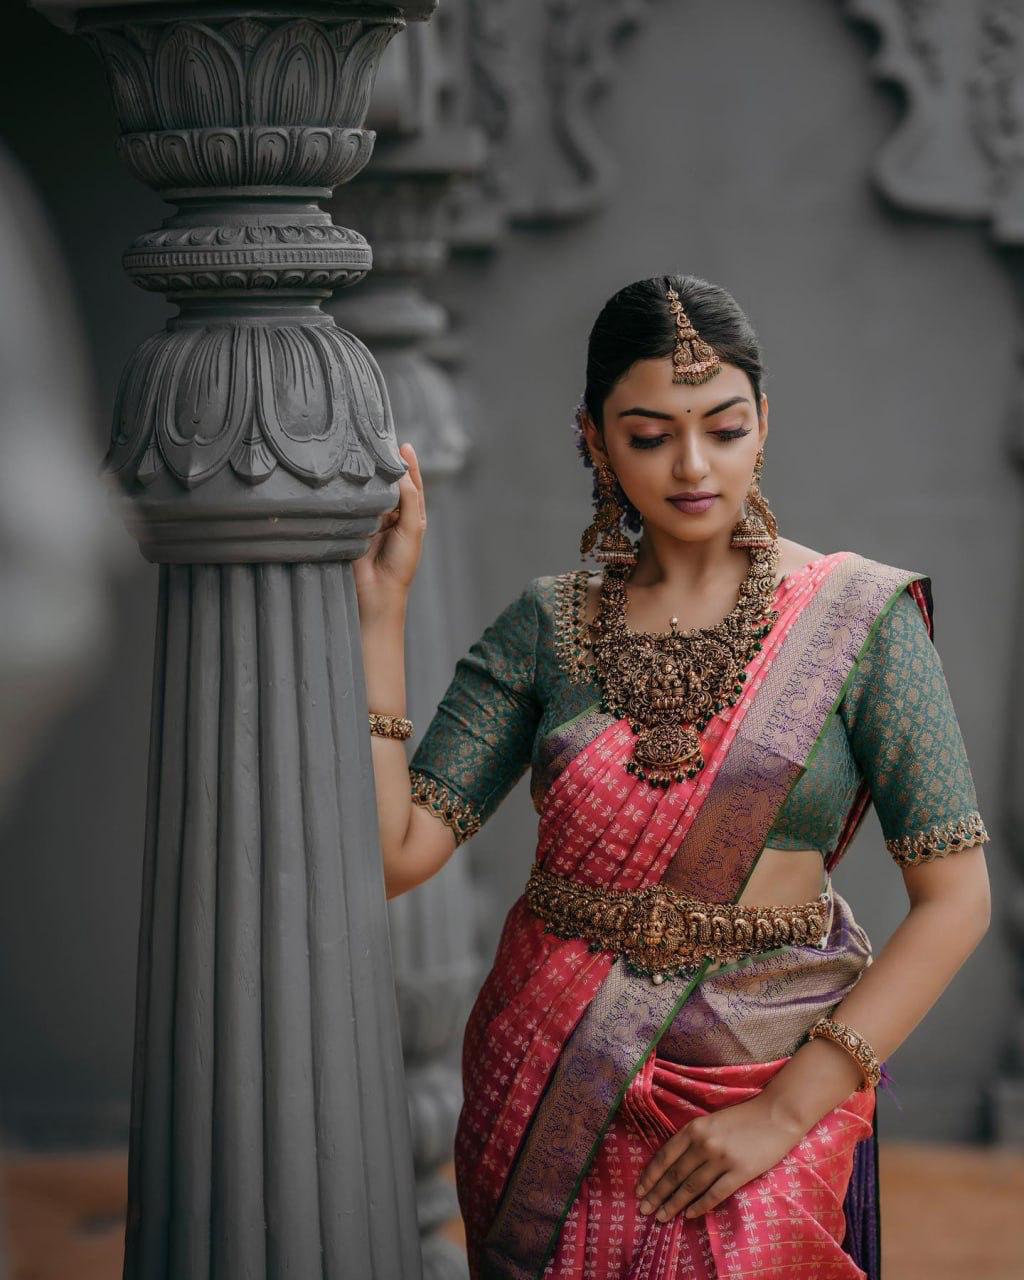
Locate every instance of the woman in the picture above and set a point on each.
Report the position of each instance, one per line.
(670, 1069)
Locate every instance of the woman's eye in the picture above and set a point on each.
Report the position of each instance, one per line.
(732, 433)
(645, 442)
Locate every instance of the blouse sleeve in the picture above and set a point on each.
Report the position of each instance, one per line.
(906, 740)
(480, 740)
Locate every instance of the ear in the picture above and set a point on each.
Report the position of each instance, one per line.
(762, 419)
(593, 437)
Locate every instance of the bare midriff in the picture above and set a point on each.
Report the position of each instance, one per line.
(784, 876)
(780, 877)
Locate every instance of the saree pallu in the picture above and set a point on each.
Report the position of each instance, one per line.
(575, 1070)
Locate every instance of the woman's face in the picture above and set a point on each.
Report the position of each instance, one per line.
(666, 439)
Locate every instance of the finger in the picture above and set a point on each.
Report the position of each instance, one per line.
(721, 1189)
(666, 1155)
(409, 454)
(378, 538)
(694, 1185)
(685, 1172)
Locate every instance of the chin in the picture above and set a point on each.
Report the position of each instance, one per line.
(688, 528)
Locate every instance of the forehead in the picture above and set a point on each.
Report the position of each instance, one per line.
(649, 382)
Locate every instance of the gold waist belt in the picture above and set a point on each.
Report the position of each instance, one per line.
(660, 932)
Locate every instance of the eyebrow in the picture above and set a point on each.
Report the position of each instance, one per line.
(638, 411)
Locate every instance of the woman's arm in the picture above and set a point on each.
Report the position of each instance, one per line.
(414, 842)
(949, 915)
(714, 1155)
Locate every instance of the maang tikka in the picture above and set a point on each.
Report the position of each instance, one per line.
(693, 360)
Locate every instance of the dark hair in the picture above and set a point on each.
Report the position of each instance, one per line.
(636, 324)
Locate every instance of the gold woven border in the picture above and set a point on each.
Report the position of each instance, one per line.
(570, 611)
(660, 931)
(450, 808)
(939, 840)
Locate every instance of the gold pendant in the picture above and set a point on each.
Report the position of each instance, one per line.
(666, 753)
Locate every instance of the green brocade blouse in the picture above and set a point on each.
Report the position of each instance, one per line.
(895, 728)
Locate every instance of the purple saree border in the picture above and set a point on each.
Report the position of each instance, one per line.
(798, 693)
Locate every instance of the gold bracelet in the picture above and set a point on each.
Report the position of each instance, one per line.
(390, 726)
(854, 1044)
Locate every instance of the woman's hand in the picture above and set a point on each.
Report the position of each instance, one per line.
(713, 1155)
(383, 575)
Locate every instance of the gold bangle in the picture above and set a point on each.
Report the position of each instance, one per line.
(390, 726)
(854, 1044)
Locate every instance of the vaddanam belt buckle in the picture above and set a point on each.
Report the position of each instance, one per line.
(661, 933)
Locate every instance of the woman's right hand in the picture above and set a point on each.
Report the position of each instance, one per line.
(383, 575)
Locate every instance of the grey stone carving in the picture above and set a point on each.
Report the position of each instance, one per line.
(531, 75)
(244, 124)
(957, 153)
(254, 444)
(400, 203)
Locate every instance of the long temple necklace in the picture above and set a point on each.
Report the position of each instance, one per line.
(669, 685)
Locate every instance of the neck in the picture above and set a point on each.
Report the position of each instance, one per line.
(687, 566)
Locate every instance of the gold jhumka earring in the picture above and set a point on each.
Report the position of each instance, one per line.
(757, 527)
(605, 530)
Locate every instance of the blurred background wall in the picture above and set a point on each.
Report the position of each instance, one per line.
(744, 135)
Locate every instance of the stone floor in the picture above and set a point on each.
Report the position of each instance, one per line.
(949, 1213)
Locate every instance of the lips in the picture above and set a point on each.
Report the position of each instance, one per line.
(693, 504)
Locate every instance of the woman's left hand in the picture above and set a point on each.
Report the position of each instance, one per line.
(713, 1155)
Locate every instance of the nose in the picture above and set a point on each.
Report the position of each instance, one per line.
(690, 464)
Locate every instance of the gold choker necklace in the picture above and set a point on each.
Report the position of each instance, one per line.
(669, 685)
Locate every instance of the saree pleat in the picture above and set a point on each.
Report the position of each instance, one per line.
(788, 1222)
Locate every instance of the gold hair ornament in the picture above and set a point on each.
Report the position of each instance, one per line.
(693, 360)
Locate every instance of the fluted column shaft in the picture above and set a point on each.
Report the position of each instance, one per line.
(253, 1100)
(400, 203)
(254, 443)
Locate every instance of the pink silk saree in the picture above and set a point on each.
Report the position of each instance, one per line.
(575, 1070)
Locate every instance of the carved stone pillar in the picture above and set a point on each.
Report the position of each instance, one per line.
(400, 204)
(255, 445)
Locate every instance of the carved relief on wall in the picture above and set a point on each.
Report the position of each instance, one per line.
(530, 76)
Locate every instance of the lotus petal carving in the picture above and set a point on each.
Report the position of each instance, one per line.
(308, 397)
